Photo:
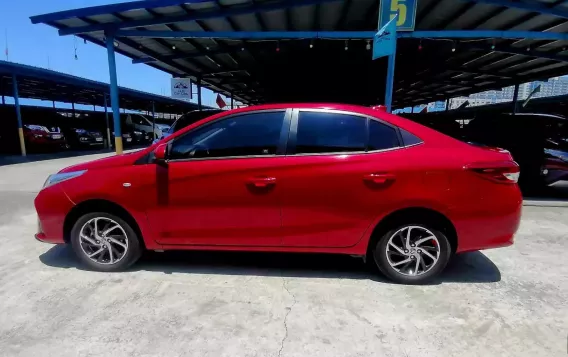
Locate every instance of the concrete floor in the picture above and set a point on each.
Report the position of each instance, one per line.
(504, 302)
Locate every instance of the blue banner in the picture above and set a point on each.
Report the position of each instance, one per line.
(384, 42)
(405, 9)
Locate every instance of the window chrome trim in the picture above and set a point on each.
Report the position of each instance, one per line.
(286, 121)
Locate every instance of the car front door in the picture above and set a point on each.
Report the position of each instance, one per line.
(220, 185)
(337, 178)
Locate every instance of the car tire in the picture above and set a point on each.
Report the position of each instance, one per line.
(120, 248)
(389, 260)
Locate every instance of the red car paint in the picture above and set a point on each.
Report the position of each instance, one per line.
(297, 203)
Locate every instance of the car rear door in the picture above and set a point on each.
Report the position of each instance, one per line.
(338, 177)
(221, 185)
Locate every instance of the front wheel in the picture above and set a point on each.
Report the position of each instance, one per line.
(105, 242)
(412, 253)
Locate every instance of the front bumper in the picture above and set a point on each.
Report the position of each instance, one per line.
(52, 206)
(91, 141)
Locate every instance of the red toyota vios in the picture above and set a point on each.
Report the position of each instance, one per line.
(290, 178)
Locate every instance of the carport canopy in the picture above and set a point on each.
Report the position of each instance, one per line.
(43, 84)
(318, 50)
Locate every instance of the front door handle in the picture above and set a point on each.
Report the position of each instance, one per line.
(262, 181)
(379, 179)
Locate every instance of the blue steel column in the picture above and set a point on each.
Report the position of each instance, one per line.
(154, 122)
(515, 98)
(199, 93)
(106, 124)
(114, 92)
(390, 80)
(18, 115)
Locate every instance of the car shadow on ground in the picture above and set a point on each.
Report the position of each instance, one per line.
(473, 267)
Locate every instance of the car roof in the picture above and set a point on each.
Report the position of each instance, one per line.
(423, 132)
(552, 116)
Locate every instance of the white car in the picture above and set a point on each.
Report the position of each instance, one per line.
(141, 123)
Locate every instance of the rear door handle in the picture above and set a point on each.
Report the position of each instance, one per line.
(379, 178)
(262, 181)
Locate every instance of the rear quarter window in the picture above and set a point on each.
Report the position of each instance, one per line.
(409, 138)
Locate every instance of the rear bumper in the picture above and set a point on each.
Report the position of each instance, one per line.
(492, 223)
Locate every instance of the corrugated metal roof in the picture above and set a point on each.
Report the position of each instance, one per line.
(44, 84)
(297, 72)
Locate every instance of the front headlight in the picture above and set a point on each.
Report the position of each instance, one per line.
(138, 132)
(57, 178)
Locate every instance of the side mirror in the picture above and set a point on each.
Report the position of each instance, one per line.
(160, 153)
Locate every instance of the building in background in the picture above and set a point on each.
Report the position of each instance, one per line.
(552, 87)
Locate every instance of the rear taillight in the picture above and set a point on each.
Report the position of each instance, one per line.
(498, 171)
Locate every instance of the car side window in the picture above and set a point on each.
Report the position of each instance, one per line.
(382, 136)
(327, 132)
(252, 134)
(409, 139)
(136, 119)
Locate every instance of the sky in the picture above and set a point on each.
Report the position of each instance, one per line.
(40, 45)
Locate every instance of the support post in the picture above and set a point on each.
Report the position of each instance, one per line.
(114, 92)
(154, 121)
(199, 93)
(390, 80)
(515, 98)
(109, 143)
(53, 102)
(73, 109)
(232, 101)
(94, 110)
(3, 100)
(18, 115)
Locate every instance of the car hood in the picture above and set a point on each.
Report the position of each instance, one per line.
(106, 162)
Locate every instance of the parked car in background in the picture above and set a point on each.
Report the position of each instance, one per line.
(188, 119)
(305, 178)
(83, 133)
(142, 124)
(538, 142)
(42, 138)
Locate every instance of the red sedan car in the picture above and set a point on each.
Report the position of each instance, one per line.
(321, 178)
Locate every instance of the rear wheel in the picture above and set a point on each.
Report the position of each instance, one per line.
(105, 242)
(412, 253)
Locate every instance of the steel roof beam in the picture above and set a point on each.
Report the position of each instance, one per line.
(194, 54)
(509, 34)
(345, 35)
(198, 15)
(519, 51)
(252, 35)
(532, 7)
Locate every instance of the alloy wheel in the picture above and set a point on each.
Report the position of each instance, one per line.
(413, 250)
(103, 241)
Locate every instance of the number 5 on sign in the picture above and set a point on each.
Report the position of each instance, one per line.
(406, 10)
(398, 6)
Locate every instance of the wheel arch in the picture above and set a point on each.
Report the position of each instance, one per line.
(417, 214)
(99, 205)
